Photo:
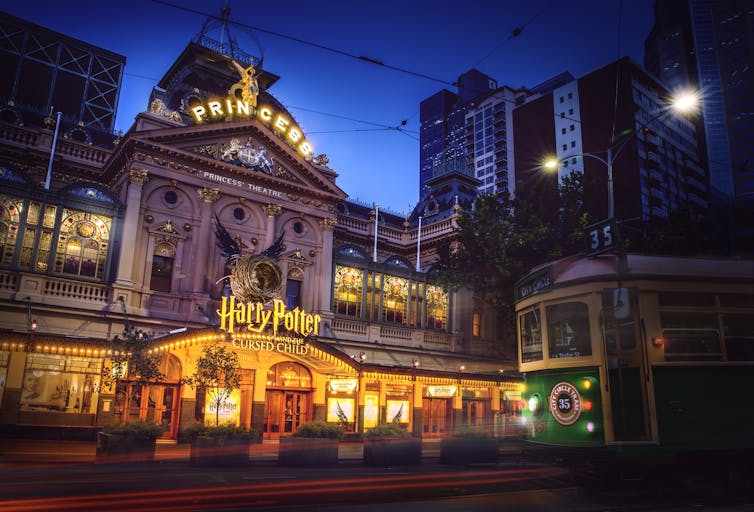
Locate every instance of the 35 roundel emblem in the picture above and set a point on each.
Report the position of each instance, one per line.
(565, 403)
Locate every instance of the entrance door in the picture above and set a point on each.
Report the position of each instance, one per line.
(284, 412)
(152, 402)
(436, 417)
(475, 413)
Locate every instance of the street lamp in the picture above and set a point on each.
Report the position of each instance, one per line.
(682, 103)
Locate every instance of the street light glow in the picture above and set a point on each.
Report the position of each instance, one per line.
(552, 163)
(685, 102)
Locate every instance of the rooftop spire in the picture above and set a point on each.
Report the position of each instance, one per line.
(216, 35)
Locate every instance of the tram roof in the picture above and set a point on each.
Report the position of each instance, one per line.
(632, 267)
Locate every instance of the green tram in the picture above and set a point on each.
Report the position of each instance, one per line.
(631, 355)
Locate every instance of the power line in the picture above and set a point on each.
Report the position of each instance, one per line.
(330, 49)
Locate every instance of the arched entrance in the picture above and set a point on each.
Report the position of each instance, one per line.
(288, 399)
(153, 401)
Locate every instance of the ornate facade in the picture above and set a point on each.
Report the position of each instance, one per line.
(129, 232)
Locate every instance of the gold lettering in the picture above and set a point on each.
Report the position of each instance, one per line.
(199, 112)
(281, 123)
(265, 114)
(294, 135)
(305, 148)
(215, 108)
(242, 107)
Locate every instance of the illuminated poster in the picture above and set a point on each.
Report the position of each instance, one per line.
(229, 407)
(396, 411)
(371, 410)
(340, 410)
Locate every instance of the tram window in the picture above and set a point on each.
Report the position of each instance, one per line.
(688, 321)
(688, 345)
(531, 337)
(739, 337)
(568, 330)
(685, 299)
(734, 300)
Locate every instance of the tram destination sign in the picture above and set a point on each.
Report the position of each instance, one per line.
(535, 282)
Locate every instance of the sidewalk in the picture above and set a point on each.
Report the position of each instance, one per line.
(83, 452)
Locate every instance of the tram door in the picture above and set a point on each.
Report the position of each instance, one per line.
(625, 363)
(437, 417)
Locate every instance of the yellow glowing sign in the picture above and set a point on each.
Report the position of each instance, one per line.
(397, 411)
(257, 318)
(285, 344)
(229, 407)
(347, 385)
(340, 410)
(217, 110)
(441, 391)
(371, 410)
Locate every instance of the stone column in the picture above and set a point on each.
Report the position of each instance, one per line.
(137, 178)
(273, 210)
(325, 264)
(203, 243)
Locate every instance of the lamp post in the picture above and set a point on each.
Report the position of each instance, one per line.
(682, 103)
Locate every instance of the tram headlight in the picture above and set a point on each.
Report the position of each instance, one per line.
(535, 405)
(590, 427)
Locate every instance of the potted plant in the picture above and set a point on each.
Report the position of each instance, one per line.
(469, 446)
(312, 444)
(218, 373)
(391, 445)
(128, 442)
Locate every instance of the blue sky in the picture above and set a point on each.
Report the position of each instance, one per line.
(438, 38)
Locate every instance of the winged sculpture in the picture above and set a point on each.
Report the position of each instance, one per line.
(255, 277)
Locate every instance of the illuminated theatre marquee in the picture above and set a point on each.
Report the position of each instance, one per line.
(217, 110)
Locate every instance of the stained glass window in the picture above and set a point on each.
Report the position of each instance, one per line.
(348, 289)
(437, 307)
(10, 209)
(395, 300)
(83, 244)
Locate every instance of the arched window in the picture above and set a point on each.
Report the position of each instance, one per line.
(290, 375)
(437, 307)
(293, 288)
(9, 220)
(347, 291)
(83, 244)
(163, 260)
(395, 300)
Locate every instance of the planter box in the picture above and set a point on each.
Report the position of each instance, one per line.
(468, 450)
(119, 448)
(307, 451)
(392, 451)
(217, 451)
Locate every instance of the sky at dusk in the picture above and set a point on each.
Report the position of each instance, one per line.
(349, 108)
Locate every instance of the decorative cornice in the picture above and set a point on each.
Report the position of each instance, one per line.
(328, 223)
(273, 210)
(139, 176)
(208, 195)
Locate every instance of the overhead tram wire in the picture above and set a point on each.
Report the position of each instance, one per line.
(399, 128)
(343, 53)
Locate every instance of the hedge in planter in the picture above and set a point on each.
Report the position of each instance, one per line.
(128, 442)
(313, 444)
(221, 445)
(469, 446)
(391, 445)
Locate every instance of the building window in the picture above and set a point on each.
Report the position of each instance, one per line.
(395, 300)
(82, 244)
(61, 383)
(293, 293)
(570, 95)
(570, 111)
(476, 325)
(437, 307)
(563, 131)
(573, 143)
(562, 99)
(10, 209)
(572, 127)
(347, 291)
(162, 267)
(565, 147)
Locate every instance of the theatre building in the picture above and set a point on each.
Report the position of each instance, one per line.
(338, 318)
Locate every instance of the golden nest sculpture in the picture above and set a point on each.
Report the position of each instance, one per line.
(255, 279)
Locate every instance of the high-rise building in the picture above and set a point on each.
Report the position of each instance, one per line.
(489, 139)
(709, 45)
(654, 156)
(443, 133)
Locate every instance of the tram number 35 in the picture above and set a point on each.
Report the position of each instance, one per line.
(601, 237)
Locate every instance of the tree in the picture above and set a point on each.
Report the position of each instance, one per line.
(132, 356)
(218, 372)
(502, 239)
